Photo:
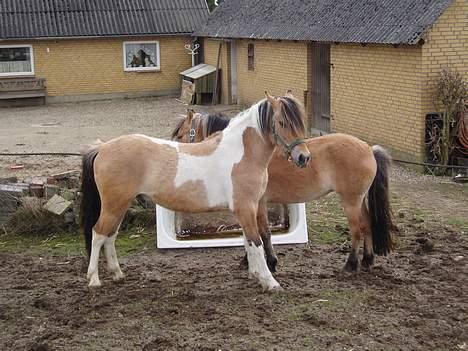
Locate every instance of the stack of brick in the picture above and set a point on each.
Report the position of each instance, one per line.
(58, 192)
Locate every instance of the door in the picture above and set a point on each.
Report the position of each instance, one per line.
(320, 86)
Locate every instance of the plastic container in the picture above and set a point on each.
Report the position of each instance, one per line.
(166, 235)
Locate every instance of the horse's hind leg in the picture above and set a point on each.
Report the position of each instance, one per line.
(104, 234)
(93, 273)
(111, 257)
(368, 255)
(352, 208)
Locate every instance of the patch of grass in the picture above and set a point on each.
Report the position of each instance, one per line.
(343, 298)
(326, 222)
(321, 234)
(459, 223)
(67, 244)
(338, 300)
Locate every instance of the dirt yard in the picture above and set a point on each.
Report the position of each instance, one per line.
(414, 299)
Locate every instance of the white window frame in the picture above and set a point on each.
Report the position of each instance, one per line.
(14, 74)
(141, 69)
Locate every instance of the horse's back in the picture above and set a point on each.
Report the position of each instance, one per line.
(134, 159)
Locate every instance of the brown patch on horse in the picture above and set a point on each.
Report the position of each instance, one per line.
(331, 154)
(244, 185)
(155, 163)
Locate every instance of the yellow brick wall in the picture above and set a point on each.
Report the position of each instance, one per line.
(376, 95)
(95, 66)
(279, 66)
(446, 45)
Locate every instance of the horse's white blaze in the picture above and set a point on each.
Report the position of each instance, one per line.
(111, 257)
(93, 274)
(174, 144)
(215, 170)
(258, 267)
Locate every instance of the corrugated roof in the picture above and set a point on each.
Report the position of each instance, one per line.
(363, 21)
(26, 19)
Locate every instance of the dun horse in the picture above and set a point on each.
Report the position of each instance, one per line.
(340, 163)
(228, 170)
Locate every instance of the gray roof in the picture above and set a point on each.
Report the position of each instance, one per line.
(26, 19)
(349, 21)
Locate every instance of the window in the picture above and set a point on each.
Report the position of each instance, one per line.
(16, 60)
(141, 56)
(251, 57)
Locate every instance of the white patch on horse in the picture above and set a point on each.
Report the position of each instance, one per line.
(93, 274)
(219, 164)
(174, 144)
(111, 257)
(258, 267)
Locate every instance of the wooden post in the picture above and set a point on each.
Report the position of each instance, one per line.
(215, 92)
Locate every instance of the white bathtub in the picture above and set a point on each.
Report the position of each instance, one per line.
(165, 223)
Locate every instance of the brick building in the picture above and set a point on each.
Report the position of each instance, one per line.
(88, 49)
(360, 67)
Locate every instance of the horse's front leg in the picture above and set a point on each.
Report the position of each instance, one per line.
(264, 230)
(265, 233)
(254, 247)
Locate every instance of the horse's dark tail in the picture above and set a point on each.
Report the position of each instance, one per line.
(379, 204)
(90, 201)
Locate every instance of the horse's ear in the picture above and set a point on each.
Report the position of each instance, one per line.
(272, 100)
(190, 114)
(289, 93)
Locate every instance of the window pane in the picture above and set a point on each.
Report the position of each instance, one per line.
(15, 60)
(141, 55)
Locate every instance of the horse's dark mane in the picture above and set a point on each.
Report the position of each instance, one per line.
(292, 112)
(177, 128)
(215, 123)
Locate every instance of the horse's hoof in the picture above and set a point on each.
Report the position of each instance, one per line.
(366, 269)
(118, 276)
(350, 267)
(276, 289)
(94, 284)
(366, 266)
(244, 263)
(272, 263)
(367, 263)
(273, 289)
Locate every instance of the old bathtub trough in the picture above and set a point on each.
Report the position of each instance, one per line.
(219, 229)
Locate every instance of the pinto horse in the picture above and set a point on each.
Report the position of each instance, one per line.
(228, 170)
(340, 163)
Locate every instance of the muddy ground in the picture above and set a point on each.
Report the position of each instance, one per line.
(414, 299)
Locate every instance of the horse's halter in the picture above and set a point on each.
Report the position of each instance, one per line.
(193, 131)
(287, 148)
